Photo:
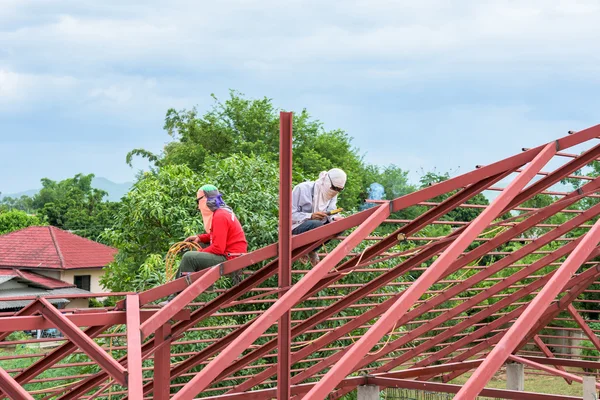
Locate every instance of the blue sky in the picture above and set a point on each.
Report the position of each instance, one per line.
(423, 85)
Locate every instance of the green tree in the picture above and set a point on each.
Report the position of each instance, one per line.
(14, 220)
(73, 204)
(160, 211)
(251, 127)
(23, 203)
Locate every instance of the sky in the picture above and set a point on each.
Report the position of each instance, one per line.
(424, 85)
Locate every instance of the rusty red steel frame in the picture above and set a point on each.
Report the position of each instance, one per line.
(412, 292)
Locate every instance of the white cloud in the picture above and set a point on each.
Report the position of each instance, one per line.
(383, 66)
(19, 88)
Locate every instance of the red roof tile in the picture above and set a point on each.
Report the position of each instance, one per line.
(36, 279)
(51, 247)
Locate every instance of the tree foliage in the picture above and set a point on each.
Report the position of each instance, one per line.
(15, 220)
(251, 127)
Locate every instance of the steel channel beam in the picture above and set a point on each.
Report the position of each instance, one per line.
(550, 370)
(284, 325)
(31, 309)
(565, 362)
(289, 299)
(505, 262)
(415, 351)
(298, 241)
(517, 229)
(134, 349)
(429, 277)
(417, 224)
(586, 329)
(557, 175)
(411, 316)
(534, 311)
(162, 364)
(575, 287)
(180, 301)
(542, 346)
(482, 331)
(12, 388)
(221, 301)
(448, 388)
(85, 343)
(412, 227)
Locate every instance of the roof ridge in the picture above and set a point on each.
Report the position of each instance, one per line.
(84, 238)
(60, 256)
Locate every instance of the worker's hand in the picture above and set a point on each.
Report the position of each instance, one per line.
(336, 217)
(318, 215)
(193, 238)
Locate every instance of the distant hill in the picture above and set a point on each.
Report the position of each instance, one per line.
(115, 190)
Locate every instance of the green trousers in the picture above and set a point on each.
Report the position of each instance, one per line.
(194, 261)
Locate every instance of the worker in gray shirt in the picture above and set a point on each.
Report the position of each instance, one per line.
(313, 201)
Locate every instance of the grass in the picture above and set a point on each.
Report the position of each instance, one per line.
(534, 383)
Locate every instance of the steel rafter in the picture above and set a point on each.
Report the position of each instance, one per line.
(427, 307)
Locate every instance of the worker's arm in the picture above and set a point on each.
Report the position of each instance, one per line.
(220, 228)
(301, 203)
(204, 238)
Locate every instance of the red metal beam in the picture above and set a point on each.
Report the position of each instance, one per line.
(12, 388)
(429, 277)
(220, 302)
(134, 349)
(262, 323)
(180, 301)
(433, 341)
(284, 325)
(565, 362)
(575, 287)
(550, 370)
(162, 364)
(542, 346)
(453, 291)
(448, 388)
(87, 345)
(30, 309)
(533, 312)
(586, 329)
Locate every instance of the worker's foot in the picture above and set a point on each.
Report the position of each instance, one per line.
(236, 277)
(314, 258)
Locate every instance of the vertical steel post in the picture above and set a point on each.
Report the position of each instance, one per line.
(135, 375)
(162, 363)
(284, 327)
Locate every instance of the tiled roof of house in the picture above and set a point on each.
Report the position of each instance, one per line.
(33, 279)
(51, 247)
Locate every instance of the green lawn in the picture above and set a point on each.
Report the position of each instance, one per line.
(534, 383)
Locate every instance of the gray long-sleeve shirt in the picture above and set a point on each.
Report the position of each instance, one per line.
(302, 203)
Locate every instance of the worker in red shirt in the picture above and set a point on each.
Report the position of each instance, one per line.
(224, 238)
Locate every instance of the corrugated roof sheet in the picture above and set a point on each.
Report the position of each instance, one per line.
(6, 278)
(35, 292)
(32, 279)
(51, 247)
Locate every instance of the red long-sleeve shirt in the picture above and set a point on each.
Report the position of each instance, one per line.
(226, 236)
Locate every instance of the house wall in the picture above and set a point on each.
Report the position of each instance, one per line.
(48, 273)
(78, 303)
(95, 275)
(12, 284)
